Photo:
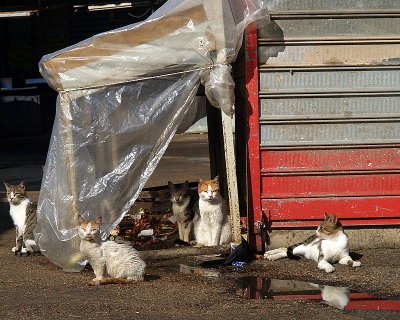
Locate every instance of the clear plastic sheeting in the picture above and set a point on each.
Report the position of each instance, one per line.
(122, 96)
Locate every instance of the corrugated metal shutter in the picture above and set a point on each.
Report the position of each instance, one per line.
(329, 111)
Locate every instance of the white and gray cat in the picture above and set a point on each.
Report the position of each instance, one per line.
(328, 246)
(23, 214)
(111, 262)
(184, 206)
(212, 225)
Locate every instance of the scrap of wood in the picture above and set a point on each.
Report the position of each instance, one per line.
(178, 252)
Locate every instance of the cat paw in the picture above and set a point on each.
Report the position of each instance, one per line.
(356, 264)
(268, 254)
(329, 269)
(15, 250)
(271, 257)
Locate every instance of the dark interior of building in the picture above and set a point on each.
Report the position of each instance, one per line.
(31, 29)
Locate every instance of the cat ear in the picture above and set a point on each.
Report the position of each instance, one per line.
(216, 179)
(171, 186)
(22, 185)
(200, 181)
(99, 220)
(326, 217)
(334, 219)
(185, 185)
(80, 219)
(8, 186)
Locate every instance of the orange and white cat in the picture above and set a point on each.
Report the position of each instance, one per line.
(212, 223)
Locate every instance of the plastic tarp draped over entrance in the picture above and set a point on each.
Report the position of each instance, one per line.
(122, 96)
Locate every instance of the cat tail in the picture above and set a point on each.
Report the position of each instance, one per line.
(109, 281)
(179, 242)
(290, 253)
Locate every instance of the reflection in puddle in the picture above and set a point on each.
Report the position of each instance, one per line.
(208, 273)
(338, 297)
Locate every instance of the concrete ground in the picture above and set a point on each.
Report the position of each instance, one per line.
(34, 288)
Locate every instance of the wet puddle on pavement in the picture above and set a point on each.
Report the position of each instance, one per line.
(339, 297)
(255, 287)
(208, 273)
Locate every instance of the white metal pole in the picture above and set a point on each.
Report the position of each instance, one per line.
(221, 8)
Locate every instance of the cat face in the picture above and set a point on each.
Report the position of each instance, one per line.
(15, 193)
(209, 189)
(179, 193)
(89, 230)
(329, 227)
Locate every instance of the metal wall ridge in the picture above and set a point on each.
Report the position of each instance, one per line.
(329, 173)
(316, 93)
(335, 11)
(336, 14)
(265, 146)
(329, 147)
(332, 41)
(319, 94)
(292, 69)
(264, 120)
(330, 196)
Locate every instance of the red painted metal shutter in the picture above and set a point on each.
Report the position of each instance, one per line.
(324, 129)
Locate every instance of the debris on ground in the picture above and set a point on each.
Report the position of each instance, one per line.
(146, 229)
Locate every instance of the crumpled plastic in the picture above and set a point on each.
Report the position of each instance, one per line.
(122, 96)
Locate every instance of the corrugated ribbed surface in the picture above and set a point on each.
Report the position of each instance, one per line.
(290, 5)
(330, 110)
(337, 107)
(329, 133)
(320, 28)
(332, 80)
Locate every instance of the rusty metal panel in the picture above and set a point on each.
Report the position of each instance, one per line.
(336, 107)
(330, 80)
(329, 133)
(355, 207)
(322, 159)
(337, 5)
(329, 111)
(319, 27)
(315, 54)
(314, 185)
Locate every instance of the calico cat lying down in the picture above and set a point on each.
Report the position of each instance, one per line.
(108, 259)
(329, 245)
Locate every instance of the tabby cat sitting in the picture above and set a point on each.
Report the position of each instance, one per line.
(23, 214)
(329, 245)
(184, 205)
